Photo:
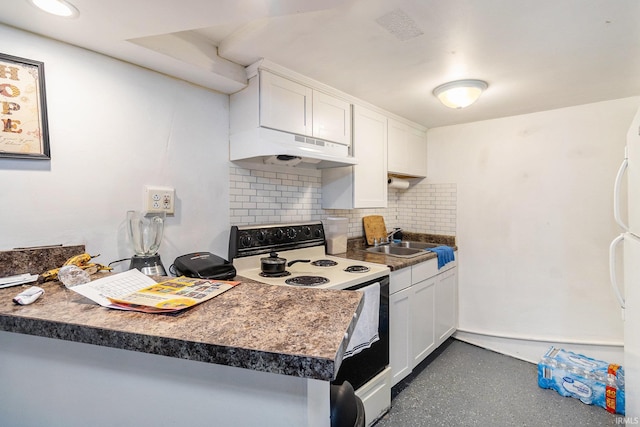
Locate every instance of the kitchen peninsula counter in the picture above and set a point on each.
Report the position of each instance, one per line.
(256, 354)
(277, 329)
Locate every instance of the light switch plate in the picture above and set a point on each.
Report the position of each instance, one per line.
(159, 199)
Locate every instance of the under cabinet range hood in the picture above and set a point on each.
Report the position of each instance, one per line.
(270, 146)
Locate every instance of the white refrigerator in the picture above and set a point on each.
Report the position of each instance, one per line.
(627, 245)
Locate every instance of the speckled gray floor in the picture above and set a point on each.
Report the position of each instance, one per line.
(464, 385)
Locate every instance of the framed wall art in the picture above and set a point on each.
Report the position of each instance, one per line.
(24, 131)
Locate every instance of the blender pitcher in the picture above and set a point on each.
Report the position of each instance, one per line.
(145, 235)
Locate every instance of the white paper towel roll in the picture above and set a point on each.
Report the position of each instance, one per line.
(400, 184)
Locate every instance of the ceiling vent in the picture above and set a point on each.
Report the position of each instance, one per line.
(400, 25)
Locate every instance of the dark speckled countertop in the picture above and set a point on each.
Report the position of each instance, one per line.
(277, 329)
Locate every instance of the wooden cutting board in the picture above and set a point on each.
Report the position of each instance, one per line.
(374, 227)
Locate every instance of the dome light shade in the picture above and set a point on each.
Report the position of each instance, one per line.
(56, 7)
(460, 93)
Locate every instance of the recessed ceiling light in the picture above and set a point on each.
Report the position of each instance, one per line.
(56, 7)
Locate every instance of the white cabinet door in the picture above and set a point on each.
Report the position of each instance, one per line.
(331, 118)
(396, 145)
(400, 343)
(407, 150)
(365, 184)
(285, 105)
(293, 107)
(417, 142)
(446, 309)
(422, 319)
(370, 148)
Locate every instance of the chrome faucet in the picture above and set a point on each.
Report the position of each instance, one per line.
(381, 241)
(387, 239)
(395, 230)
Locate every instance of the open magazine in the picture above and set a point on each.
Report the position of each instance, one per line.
(132, 290)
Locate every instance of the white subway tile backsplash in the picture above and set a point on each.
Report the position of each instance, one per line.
(274, 196)
(263, 196)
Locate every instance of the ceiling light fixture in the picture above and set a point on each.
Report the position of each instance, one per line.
(56, 7)
(460, 93)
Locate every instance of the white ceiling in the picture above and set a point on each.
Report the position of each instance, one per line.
(535, 55)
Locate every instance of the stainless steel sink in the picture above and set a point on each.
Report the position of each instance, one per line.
(405, 249)
(398, 251)
(415, 245)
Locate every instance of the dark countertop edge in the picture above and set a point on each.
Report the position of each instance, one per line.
(276, 363)
(408, 262)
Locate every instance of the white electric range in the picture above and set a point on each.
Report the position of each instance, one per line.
(367, 371)
(321, 270)
(302, 242)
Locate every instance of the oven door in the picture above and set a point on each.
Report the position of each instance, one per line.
(364, 366)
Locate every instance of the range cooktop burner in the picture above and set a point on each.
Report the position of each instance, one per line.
(324, 263)
(307, 281)
(357, 269)
(283, 274)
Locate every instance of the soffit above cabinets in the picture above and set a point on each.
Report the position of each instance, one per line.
(390, 53)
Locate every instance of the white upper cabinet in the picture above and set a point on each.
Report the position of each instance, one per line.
(407, 150)
(293, 107)
(331, 118)
(285, 105)
(370, 148)
(365, 184)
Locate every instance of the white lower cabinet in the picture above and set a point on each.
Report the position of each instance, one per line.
(422, 306)
(446, 310)
(400, 340)
(423, 313)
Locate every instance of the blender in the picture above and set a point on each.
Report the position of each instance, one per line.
(145, 235)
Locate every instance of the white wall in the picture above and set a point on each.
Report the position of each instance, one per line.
(534, 197)
(115, 127)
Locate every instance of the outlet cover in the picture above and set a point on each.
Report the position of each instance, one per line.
(159, 199)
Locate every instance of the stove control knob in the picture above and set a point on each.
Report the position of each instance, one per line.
(291, 233)
(245, 241)
(279, 233)
(306, 230)
(317, 233)
(261, 235)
